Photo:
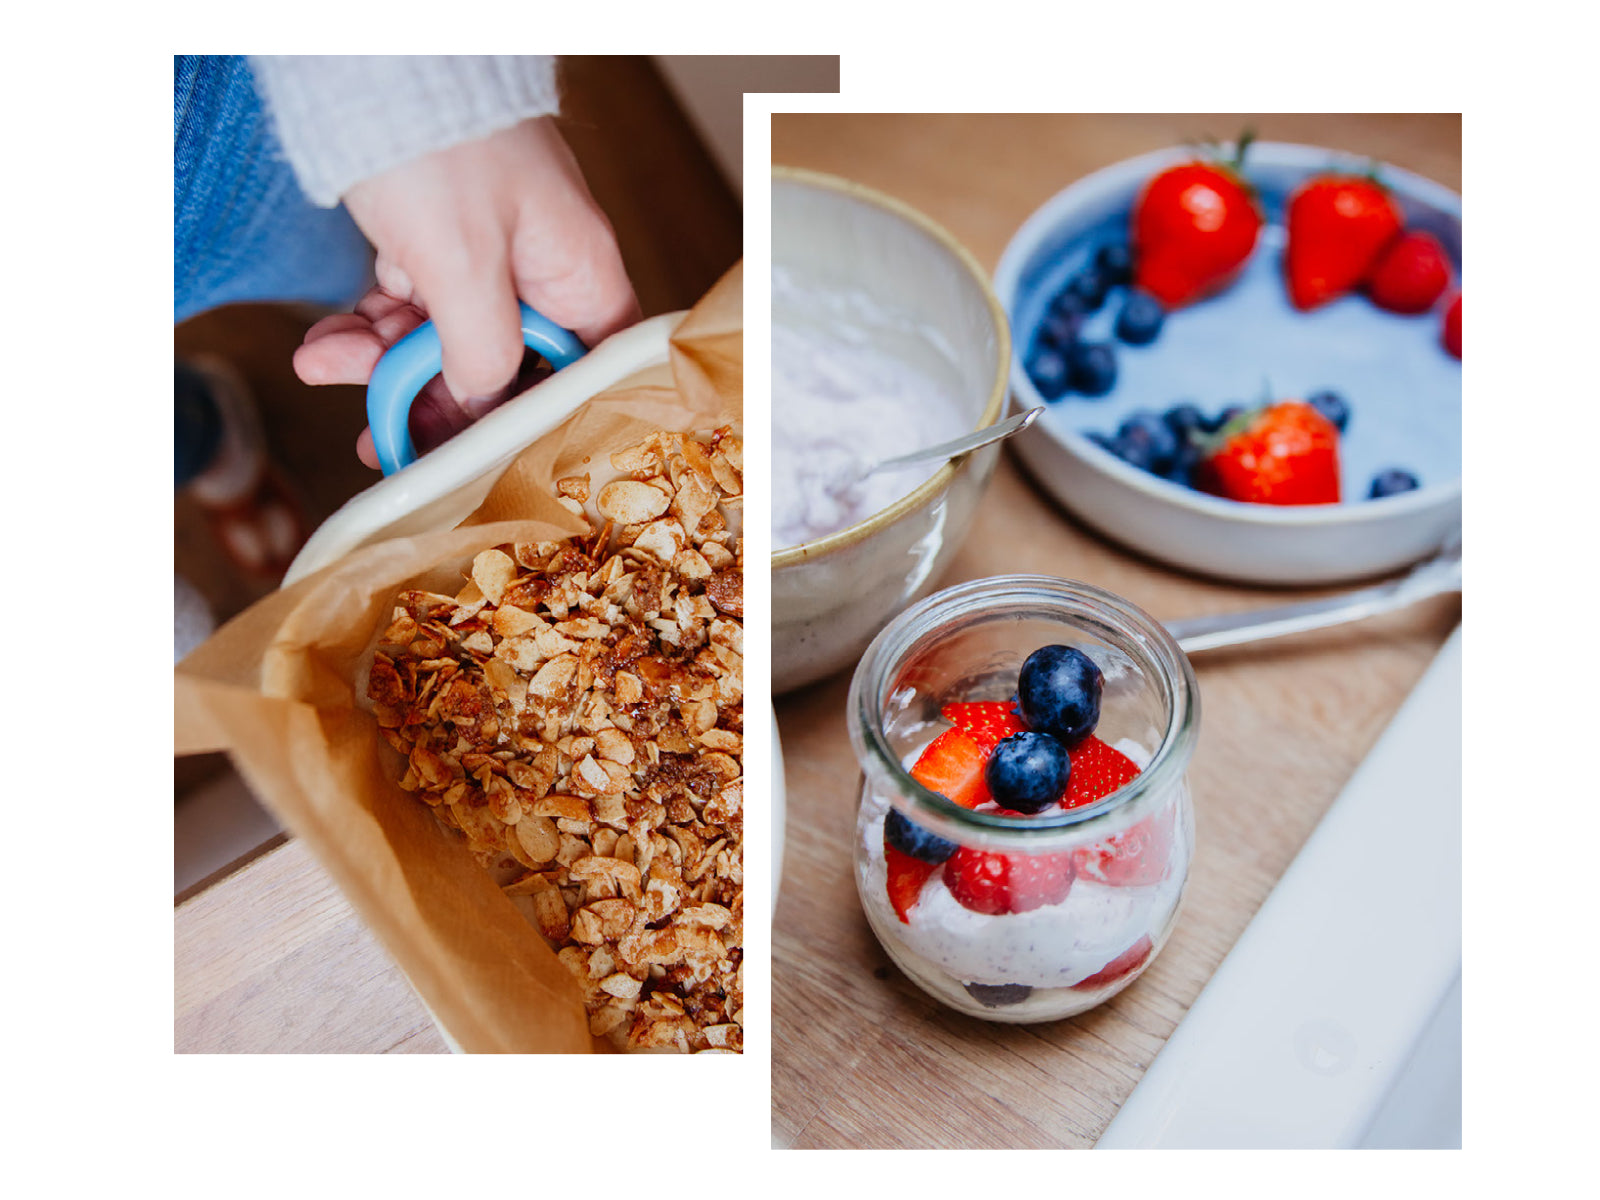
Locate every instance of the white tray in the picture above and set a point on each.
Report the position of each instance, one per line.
(1342, 997)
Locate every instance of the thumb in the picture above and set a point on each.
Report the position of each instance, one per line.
(475, 311)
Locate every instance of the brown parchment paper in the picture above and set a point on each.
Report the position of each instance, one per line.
(282, 688)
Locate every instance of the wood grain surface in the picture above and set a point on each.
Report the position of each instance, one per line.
(273, 957)
(860, 1057)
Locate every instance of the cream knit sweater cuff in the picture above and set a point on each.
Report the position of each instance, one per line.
(344, 118)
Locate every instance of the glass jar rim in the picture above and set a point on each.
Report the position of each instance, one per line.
(1139, 635)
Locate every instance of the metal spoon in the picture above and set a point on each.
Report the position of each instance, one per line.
(957, 446)
(1435, 576)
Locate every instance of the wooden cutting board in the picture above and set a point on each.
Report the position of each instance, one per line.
(860, 1057)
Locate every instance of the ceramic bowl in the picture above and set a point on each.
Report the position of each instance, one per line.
(831, 595)
(1403, 388)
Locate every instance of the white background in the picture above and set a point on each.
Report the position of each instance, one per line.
(99, 1099)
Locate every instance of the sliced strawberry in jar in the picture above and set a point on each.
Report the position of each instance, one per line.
(1137, 857)
(1097, 771)
(952, 765)
(987, 722)
(906, 877)
(989, 882)
(1126, 963)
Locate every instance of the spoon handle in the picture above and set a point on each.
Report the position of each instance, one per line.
(1437, 575)
(962, 445)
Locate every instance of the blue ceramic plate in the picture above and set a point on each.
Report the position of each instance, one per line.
(1239, 347)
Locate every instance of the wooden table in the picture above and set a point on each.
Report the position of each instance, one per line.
(271, 957)
(860, 1057)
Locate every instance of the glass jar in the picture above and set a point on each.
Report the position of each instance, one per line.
(1116, 868)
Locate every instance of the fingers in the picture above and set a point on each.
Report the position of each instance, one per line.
(565, 257)
(393, 279)
(474, 307)
(345, 355)
(345, 348)
(569, 268)
(591, 296)
(337, 323)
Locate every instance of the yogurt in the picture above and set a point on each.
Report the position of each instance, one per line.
(1043, 963)
(1054, 946)
(843, 400)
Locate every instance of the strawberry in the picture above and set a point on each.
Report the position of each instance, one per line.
(1286, 453)
(1452, 328)
(993, 883)
(1339, 225)
(905, 880)
(1136, 857)
(1097, 771)
(1411, 274)
(1126, 963)
(952, 765)
(987, 722)
(1194, 225)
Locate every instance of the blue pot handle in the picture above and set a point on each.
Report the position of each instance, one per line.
(416, 358)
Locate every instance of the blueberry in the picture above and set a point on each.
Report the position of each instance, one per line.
(1331, 405)
(1391, 483)
(1048, 369)
(1027, 772)
(1059, 330)
(1135, 451)
(1148, 442)
(1068, 303)
(1184, 462)
(1089, 288)
(998, 995)
(1092, 368)
(1058, 692)
(1140, 319)
(1114, 261)
(911, 838)
(1104, 440)
(1184, 419)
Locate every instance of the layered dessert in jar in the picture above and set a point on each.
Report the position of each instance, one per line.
(1024, 830)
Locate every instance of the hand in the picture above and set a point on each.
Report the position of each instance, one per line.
(461, 235)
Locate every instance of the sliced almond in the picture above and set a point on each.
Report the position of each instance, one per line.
(630, 502)
(492, 571)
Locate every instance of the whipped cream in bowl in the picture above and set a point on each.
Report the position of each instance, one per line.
(886, 339)
(843, 400)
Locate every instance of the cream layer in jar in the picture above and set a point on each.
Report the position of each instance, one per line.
(1055, 946)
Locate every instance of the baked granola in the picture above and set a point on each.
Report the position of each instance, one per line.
(576, 711)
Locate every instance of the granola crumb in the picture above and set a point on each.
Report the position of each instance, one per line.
(576, 713)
